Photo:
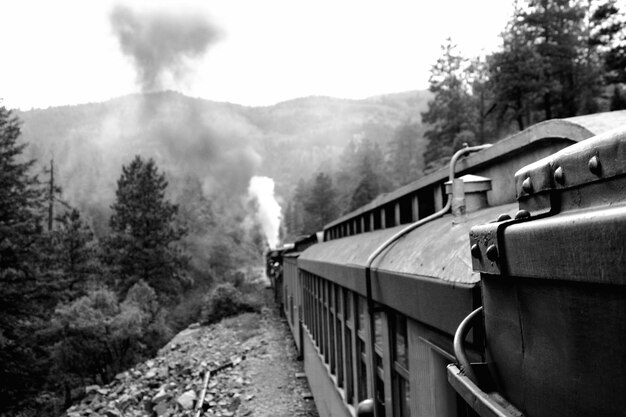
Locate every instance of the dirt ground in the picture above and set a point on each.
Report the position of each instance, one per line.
(278, 385)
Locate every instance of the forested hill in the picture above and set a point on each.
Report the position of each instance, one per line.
(221, 144)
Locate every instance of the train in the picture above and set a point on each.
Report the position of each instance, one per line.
(492, 287)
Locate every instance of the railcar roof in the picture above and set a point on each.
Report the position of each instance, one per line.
(438, 249)
(572, 129)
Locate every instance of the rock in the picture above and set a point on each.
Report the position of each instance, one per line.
(160, 396)
(161, 408)
(89, 389)
(124, 401)
(113, 412)
(186, 401)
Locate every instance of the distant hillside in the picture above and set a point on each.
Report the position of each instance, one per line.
(220, 144)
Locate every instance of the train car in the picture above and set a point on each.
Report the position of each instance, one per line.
(274, 272)
(292, 291)
(377, 304)
(553, 291)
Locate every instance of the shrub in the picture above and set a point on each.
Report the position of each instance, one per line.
(224, 301)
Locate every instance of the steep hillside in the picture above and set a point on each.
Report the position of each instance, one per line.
(220, 144)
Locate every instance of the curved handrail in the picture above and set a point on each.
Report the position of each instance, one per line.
(459, 350)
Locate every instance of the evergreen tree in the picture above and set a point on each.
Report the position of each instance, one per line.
(294, 213)
(607, 27)
(449, 118)
(70, 253)
(546, 68)
(405, 163)
(320, 203)
(20, 288)
(369, 185)
(144, 232)
(514, 74)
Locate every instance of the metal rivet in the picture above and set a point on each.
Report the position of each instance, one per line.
(559, 176)
(492, 253)
(527, 186)
(503, 217)
(475, 250)
(522, 214)
(594, 165)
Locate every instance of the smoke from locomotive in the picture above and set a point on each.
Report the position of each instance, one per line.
(268, 210)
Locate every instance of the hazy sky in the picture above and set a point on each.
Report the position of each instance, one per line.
(265, 51)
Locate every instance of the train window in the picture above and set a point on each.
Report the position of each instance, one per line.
(338, 300)
(378, 329)
(400, 341)
(338, 331)
(390, 215)
(318, 314)
(362, 315)
(349, 378)
(400, 369)
(402, 397)
(331, 327)
(349, 306)
(426, 200)
(324, 311)
(338, 338)
(362, 349)
(349, 331)
(362, 374)
(314, 312)
(380, 396)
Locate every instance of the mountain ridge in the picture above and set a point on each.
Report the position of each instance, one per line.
(221, 144)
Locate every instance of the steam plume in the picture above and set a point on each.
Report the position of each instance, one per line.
(161, 44)
(262, 189)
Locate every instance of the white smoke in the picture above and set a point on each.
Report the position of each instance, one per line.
(262, 189)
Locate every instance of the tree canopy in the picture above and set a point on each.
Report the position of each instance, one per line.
(144, 232)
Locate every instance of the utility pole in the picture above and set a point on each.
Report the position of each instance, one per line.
(51, 197)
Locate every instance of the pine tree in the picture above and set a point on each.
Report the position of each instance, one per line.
(70, 252)
(369, 185)
(450, 116)
(144, 232)
(608, 34)
(405, 163)
(320, 203)
(547, 67)
(20, 227)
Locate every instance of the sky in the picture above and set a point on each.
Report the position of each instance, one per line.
(258, 53)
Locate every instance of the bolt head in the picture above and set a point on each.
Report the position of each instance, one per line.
(522, 214)
(594, 165)
(492, 253)
(475, 250)
(527, 186)
(559, 177)
(503, 217)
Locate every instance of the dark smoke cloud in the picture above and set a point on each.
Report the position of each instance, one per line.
(162, 43)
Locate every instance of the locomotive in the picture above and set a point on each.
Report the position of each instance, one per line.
(493, 287)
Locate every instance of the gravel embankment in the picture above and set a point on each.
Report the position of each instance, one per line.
(260, 377)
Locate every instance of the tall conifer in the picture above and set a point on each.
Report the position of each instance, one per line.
(144, 232)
